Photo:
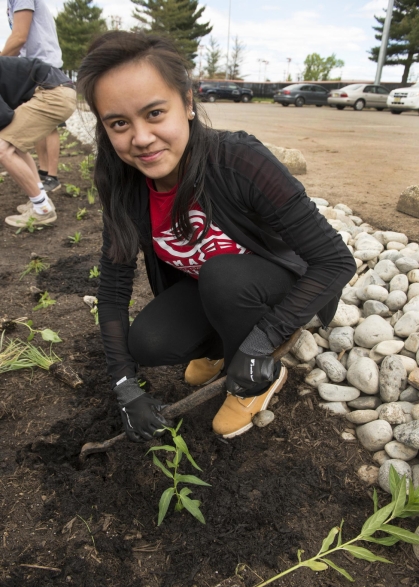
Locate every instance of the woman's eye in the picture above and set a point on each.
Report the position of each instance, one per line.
(155, 113)
(118, 124)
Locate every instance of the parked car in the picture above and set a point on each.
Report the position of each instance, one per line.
(404, 99)
(359, 96)
(210, 91)
(300, 94)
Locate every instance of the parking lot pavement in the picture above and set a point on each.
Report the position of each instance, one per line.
(363, 159)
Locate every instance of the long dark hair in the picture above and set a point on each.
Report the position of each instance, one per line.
(116, 181)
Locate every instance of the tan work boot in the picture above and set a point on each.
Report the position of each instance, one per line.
(31, 217)
(236, 414)
(22, 208)
(203, 371)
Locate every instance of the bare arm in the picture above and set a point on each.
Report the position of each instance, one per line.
(22, 21)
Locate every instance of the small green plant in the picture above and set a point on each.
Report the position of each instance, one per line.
(1, 179)
(37, 265)
(64, 136)
(73, 190)
(45, 301)
(404, 504)
(183, 501)
(86, 167)
(47, 334)
(94, 272)
(91, 194)
(71, 145)
(24, 355)
(75, 238)
(94, 312)
(81, 213)
(30, 226)
(64, 167)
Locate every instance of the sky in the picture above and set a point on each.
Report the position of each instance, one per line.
(274, 31)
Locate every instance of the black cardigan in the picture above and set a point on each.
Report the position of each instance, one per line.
(261, 206)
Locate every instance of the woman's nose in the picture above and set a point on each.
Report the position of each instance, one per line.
(142, 136)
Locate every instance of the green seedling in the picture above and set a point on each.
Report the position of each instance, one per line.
(64, 167)
(47, 334)
(91, 194)
(94, 312)
(64, 136)
(183, 501)
(37, 265)
(24, 355)
(72, 190)
(86, 167)
(75, 239)
(71, 145)
(30, 226)
(94, 272)
(45, 301)
(1, 179)
(81, 213)
(404, 504)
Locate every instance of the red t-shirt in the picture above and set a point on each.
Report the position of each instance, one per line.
(180, 254)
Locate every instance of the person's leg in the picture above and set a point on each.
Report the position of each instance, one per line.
(173, 328)
(18, 165)
(53, 153)
(42, 152)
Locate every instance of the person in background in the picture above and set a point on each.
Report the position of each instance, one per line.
(34, 98)
(237, 256)
(34, 36)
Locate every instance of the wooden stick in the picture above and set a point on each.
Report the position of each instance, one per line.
(41, 567)
(187, 403)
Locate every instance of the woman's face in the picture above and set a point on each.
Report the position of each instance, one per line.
(145, 119)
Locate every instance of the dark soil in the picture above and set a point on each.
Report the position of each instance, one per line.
(92, 524)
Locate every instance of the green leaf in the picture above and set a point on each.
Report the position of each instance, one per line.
(315, 565)
(178, 506)
(185, 491)
(160, 465)
(167, 447)
(299, 553)
(413, 495)
(400, 498)
(413, 510)
(181, 444)
(50, 335)
(329, 539)
(364, 554)
(395, 481)
(192, 505)
(29, 322)
(373, 523)
(339, 570)
(387, 541)
(178, 426)
(30, 337)
(164, 503)
(191, 479)
(170, 464)
(375, 500)
(401, 533)
(340, 533)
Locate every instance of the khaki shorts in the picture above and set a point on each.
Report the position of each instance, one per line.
(37, 118)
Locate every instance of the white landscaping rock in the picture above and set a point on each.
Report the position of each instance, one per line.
(374, 308)
(341, 339)
(263, 418)
(399, 282)
(412, 291)
(393, 413)
(415, 412)
(332, 367)
(362, 416)
(368, 474)
(388, 347)
(374, 435)
(398, 450)
(373, 330)
(401, 467)
(413, 276)
(346, 315)
(365, 402)
(380, 457)
(408, 434)
(410, 394)
(392, 378)
(395, 300)
(337, 408)
(390, 236)
(415, 477)
(321, 341)
(370, 278)
(316, 377)
(386, 269)
(412, 305)
(306, 347)
(337, 393)
(364, 375)
(408, 363)
(407, 324)
(406, 264)
(355, 354)
(412, 342)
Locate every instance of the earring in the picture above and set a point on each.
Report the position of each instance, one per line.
(192, 114)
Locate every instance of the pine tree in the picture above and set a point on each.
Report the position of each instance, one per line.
(403, 43)
(236, 59)
(77, 25)
(176, 19)
(213, 58)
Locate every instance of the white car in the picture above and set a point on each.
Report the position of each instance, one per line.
(404, 99)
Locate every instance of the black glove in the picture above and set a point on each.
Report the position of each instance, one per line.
(248, 375)
(140, 412)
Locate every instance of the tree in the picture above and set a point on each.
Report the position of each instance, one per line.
(403, 43)
(176, 19)
(213, 58)
(319, 68)
(77, 25)
(236, 59)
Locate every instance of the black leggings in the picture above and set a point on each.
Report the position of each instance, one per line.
(209, 317)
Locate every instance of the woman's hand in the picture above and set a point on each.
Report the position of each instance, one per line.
(140, 412)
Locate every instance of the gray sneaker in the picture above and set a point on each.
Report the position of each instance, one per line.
(23, 208)
(51, 184)
(31, 217)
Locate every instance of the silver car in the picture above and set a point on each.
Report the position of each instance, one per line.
(359, 96)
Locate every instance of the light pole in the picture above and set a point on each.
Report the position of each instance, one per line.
(266, 65)
(288, 67)
(384, 42)
(228, 36)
